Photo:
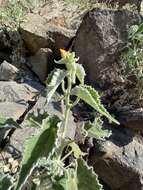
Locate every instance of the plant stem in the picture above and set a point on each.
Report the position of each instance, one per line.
(66, 116)
(68, 107)
(67, 155)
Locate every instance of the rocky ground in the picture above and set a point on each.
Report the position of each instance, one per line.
(98, 37)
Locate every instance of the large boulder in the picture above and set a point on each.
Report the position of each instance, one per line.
(119, 160)
(99, 41)
(53, 26)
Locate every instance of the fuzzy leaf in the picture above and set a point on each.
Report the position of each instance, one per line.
(39, 145)
(80, 73)
(86, 177)
(95, 130)
(76, 150)
(5, 182)
(91, 97)
(53, 81)
(8, 121)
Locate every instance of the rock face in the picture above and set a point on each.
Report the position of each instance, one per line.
(99, 40)
(53, 27)
(119, 160)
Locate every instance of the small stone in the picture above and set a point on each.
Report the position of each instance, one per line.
(14, 166)
(7, 71)
(10, 160)
(6, 168)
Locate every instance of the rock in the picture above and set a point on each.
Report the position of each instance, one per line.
(19, 137)
(14, 102)
(132, 119)
(142, 8)
(3, 3)
(7, 71)
(54, 26)
(12, 109)
(4, 56)
(18, 140)
(122, 3)
(40, 62)
(14, 92)
(119, 160)
(99, 41)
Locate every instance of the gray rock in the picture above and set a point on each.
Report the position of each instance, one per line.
(122, 3)
(119, 160)
(40, 63)
(14, 92)
(12, 109)
(18, 140)
(132, 119)
(14, 99)
(54, 26)
(19, 137)
(99, 40)
(7, 71)
(3, 3)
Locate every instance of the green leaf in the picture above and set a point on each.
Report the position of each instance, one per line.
(5, 182)
(133, 30)
(95, 130)
(91, 97)
(38, 146)
(53, 81)
(80, 73)
(4, 122)
(36, 120)
(86, 177)
(76, 150)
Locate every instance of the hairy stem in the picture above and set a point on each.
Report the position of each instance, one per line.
(66, 116)
(68, 107)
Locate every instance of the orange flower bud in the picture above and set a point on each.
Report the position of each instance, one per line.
(63, 53)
